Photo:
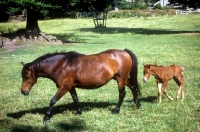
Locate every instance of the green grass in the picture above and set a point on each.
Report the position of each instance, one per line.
(164, 40)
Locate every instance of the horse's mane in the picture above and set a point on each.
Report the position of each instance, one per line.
(69, 56)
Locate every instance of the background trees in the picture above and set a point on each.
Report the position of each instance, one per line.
(37, 9)
(41, 8)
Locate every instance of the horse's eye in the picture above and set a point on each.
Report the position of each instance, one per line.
(27, 77)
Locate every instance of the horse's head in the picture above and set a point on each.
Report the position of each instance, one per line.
(146, 72)
(28, 78)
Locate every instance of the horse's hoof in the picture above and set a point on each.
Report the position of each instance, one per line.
(139, 106)
(46, 121)
(115, 111)
(78, 113)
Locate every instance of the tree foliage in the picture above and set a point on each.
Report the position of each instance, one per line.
(51, 7)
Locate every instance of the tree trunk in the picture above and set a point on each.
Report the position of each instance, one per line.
(32, 28)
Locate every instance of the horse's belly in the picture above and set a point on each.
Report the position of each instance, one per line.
(91, 84)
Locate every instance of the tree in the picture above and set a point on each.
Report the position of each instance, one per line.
(35, 9)
(38, 8)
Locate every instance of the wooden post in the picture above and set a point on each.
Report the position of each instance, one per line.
(1, 40)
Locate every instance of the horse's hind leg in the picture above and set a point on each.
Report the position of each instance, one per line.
(165, 90)
(75, 99)
(180, 82)
(134, 92)
(122, 94)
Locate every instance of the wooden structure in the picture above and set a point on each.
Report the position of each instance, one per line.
(100, 18)
(1, 41)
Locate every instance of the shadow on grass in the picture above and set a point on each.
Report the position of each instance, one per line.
(149, 99)
(72, 125)
(145, 31)
(86, 106)
(72, 38)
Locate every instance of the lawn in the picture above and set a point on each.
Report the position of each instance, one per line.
(165, 40)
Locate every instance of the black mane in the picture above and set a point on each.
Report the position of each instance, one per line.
(70, 57)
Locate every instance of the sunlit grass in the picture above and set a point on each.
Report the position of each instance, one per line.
(164, 40)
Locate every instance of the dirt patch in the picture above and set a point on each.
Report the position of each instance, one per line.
(9, 46)
(21, 41)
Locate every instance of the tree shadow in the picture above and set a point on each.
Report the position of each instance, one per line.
(145, 31)
(86, 106)
(66, 38)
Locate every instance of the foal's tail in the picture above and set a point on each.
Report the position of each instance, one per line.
(134, 71)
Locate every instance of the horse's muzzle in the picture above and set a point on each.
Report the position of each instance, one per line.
(144, 79)
(25, 92)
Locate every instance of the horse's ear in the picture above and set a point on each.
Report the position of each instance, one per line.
(23, 64)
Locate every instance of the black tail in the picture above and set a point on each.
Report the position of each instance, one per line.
(134, 71)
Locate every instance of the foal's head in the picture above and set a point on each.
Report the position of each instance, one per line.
(146, 72)
(28, 78)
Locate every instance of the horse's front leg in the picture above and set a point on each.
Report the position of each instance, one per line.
(159, 91)
(75, 99)
(57, 96)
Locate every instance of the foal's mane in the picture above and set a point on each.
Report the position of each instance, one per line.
(155, 65)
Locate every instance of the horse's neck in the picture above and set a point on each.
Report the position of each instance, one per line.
(155, 70)
(44, 70)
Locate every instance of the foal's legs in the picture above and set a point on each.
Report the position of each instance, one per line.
(57, 96)
(165, 90)
(180, 82)
(75, 99)
(159, 91)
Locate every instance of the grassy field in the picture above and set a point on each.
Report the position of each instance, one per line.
(165, 40)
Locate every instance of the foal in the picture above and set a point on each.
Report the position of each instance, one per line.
(162, 75)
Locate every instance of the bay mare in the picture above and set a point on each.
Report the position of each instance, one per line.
(162, 75)
(72, 70)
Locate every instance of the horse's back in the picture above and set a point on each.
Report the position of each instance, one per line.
(178, 70)
(113, 60)
(97, 69)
